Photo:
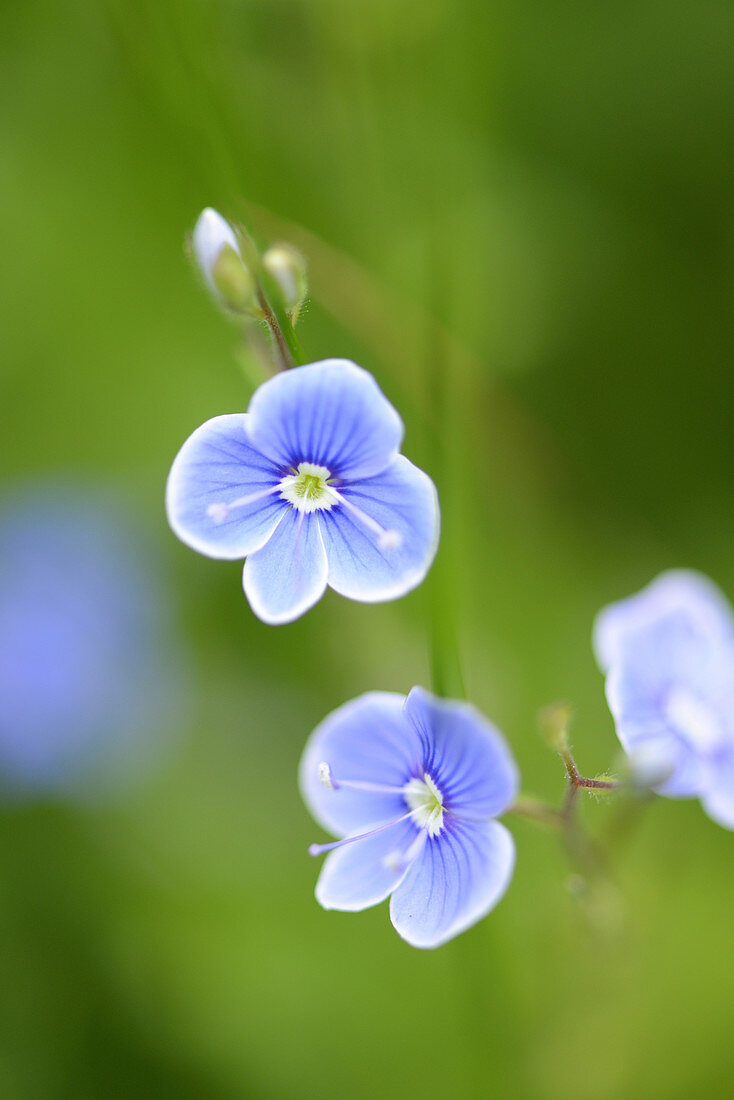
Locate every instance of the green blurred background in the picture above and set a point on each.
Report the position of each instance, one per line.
(520, 217)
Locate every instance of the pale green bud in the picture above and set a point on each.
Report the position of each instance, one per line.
(287, 267)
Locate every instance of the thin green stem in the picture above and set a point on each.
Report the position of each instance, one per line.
(538, 811)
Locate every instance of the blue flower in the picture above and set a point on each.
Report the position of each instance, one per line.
(414, 786)
(309, 487)
(668, 655)
(90, 676)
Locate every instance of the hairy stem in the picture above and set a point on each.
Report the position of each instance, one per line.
(284, 354)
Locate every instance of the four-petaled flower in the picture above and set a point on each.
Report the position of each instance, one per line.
(668, 655)
(414, 786)
(309, 487)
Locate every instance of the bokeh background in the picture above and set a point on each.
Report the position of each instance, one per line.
(520, 217)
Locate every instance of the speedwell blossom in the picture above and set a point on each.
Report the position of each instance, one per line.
(309, 487)
(668, 655)
(413, 785)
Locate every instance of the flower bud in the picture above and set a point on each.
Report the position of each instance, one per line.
(218, 256)
(287, 267)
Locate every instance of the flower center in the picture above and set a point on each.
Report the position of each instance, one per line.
(425, 806)
(426, 802)
(308, 488)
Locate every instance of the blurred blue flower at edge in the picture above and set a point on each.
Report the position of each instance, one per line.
(668, 655)
(309, 487)
(414, 786)
(90, 678)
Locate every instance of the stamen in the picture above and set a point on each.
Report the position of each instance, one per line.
(318, 849)
(329, 780)
(327, 776)
(387, 539)
(220, 510)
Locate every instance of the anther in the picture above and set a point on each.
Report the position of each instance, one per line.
(327, 776)
(390, 540)
(220, 510)
(387, 538)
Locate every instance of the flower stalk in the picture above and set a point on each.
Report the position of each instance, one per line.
(270, 300)
(270, 288)
(583, 851)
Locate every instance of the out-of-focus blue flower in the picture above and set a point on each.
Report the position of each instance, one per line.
(309, 486)
(668, 656)
(89, 676)
(414, 786)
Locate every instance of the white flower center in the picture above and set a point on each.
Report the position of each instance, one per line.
(308, 488)
(426, 801)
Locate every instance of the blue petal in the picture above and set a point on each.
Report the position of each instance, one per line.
(685, 597)
(464, 754)
(368, 740)
(362, 874)
(288, 575)
(330, 413)
(461, 874)
(403, 502)
(216, 466)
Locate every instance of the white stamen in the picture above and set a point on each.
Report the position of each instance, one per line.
(317, 849)
(387, 539)
(220, 510)
(327, 776)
